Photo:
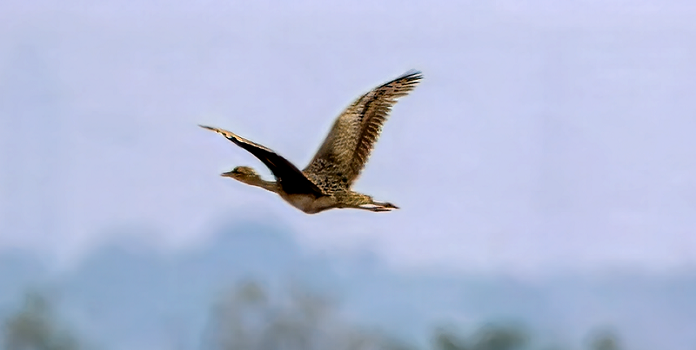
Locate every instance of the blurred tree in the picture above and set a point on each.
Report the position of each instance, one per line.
(447, 340)
(604, 340)
(249, 319)
(35, 327)
(490, 337)
(494, 337)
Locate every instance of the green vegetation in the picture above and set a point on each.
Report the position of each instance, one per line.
(248, 317)
(35, 326)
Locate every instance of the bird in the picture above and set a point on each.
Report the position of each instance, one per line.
(326, 183)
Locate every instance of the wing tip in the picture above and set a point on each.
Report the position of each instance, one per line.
(222, 132)
(412, 74)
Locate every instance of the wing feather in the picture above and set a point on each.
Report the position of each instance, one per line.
(290, 179)
(348, 145)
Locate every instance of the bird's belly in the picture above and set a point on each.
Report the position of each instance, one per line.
(308, 203)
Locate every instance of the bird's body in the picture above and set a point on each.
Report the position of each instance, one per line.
(326, 182)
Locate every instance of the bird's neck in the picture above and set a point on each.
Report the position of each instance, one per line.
(267, 185)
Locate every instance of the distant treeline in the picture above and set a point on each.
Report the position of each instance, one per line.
(247, 317)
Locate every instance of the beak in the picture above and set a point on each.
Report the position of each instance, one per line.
(227, 174)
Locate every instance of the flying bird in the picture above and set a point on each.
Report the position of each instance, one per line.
(327, 181)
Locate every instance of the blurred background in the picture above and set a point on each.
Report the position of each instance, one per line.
(545, 167)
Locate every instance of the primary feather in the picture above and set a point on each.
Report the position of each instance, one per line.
(347, 147)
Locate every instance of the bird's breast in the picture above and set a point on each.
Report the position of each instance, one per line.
(309, 203)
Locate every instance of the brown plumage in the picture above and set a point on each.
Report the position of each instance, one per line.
(326, 182)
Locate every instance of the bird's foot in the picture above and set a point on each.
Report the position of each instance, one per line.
(379, 207)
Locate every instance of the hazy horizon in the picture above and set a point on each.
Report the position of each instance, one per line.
(546, 139)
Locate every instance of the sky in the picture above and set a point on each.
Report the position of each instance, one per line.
(545, 136)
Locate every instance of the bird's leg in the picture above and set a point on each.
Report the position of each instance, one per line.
(362, 201)
(378, 206)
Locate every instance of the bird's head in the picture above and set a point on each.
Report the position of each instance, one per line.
(244, 174)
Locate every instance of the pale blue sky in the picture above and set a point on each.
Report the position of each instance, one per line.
(546, 135)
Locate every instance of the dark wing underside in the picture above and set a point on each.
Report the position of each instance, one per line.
(348, 145)
(290, 179)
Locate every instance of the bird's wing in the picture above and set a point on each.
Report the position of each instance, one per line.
(290, 179)
(347, 148)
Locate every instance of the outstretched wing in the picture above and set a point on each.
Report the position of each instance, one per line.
(290, 179)
(347, 148)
